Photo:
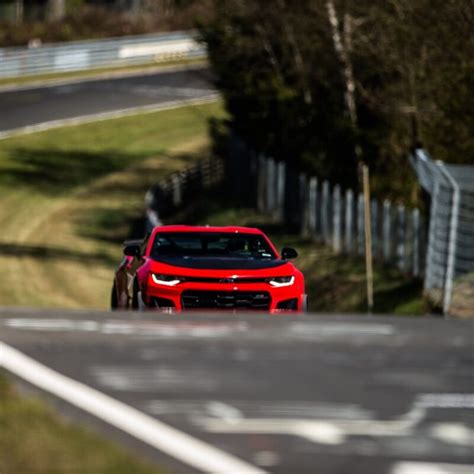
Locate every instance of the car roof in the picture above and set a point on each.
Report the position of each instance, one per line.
(201, 229)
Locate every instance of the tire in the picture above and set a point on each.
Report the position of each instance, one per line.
(304, 306)
(113, 298)
(135, 305)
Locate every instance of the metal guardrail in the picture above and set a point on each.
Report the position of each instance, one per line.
(93, 54)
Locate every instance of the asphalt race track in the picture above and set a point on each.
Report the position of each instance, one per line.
(31, 106)
(283, 394)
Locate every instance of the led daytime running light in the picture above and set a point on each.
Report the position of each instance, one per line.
(167, 280)
(278, 282)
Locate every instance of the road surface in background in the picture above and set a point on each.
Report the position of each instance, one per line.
(285, 394)
(31, 106)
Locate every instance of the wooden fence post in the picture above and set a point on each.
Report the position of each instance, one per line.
(415, 216)
(349, 221)
(374, 224)
(360, 225)
(387, 230)
(336, 219)
(401, 233)
(280, 198)
(325, 212)
(303, 204)
(313, 190)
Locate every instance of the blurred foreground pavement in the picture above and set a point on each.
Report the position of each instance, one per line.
(285, 394)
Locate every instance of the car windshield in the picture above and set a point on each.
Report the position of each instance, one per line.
(207, 244)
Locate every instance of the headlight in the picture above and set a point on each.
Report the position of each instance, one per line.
(168, 280)
(281, 281)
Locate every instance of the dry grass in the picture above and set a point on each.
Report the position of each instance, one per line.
(69, 197)
(35, 440)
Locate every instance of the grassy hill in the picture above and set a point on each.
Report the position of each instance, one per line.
(69, 196)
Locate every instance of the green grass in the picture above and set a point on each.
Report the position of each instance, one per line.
(33, 439)
(69, 196)
(334, 283)
(55, 161)
(90, 73)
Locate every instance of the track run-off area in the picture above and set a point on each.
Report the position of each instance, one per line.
(230, 393)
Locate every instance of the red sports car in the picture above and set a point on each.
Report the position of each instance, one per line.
(186, 267)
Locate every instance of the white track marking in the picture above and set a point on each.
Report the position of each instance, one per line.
(144, 329)
(431, 468)
(224, 411)
(153, 379)
(453, 433)
(341, 329)
(280, 409)
(52, 324)
(266, 458)
(336, 431)
(99, 117)
(320, 432)
(171, 441)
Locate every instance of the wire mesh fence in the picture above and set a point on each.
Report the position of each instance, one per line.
(449, 277)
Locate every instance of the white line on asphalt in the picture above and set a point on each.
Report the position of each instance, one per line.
(224, 411)
(145, 109)
(431, 468)
(35, 324)
(321, 431)
(145, 329)
(171, 441)
(328, 330)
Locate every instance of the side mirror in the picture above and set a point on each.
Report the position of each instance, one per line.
(288, 253)
(132, 251)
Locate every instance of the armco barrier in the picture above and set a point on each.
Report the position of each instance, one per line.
(93, 54)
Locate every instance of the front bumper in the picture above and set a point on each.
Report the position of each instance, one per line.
(224, 296)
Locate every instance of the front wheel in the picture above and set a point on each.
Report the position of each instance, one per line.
(113, 297)
(137, 301)
(135, 296)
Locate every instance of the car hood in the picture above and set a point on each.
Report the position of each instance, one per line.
(220, 263)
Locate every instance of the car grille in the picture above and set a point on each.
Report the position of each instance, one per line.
(226, 299)
(239, 280)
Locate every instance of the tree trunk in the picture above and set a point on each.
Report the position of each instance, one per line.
(19, 11)
(341, 48)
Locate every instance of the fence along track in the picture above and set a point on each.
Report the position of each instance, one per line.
(444, 255)
(93, 54)
(450, 257)
(336, 217)
(169, 194)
